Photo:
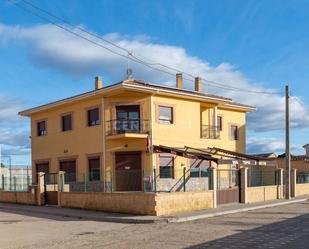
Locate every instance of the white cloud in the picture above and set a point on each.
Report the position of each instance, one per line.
(54, 48)
(269, 144)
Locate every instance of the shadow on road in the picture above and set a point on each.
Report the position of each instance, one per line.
(288, 234)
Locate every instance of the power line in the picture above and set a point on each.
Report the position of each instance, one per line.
(129, 55)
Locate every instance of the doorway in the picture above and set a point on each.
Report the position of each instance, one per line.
(128, 171)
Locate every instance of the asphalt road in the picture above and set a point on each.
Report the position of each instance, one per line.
(279, 227)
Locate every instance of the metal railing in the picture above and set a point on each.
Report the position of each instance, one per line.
(119, 126)
(210, 131)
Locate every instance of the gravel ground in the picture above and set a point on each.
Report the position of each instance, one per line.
(279, 227)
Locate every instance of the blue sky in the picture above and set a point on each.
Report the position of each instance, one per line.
(260, 45)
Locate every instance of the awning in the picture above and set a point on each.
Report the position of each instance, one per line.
(184, 153)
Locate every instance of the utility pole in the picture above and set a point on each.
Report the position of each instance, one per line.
(287, 145)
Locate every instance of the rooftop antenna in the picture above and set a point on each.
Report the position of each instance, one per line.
(129, 69)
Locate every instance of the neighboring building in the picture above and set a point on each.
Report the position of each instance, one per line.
(17, 177)
(107, 134)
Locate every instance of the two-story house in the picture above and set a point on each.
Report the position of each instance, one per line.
(107, 134)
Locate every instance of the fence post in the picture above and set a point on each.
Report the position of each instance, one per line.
(60, 187)
(244, 185)
(154, 180)
(184, 178)
(41, 188)
(28, 181)
(85, 182)
(111, 181)
(144, 183)
(280, 183)
(2, 182)
(293, 182)
(214, 185)
(14, 183)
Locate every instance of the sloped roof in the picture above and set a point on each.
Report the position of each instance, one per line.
(140, 85)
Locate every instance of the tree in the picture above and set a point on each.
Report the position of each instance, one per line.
(2, 165)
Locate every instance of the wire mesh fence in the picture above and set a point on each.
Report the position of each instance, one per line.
(165, 179)
(17, 183)
(302, 177)
(262, 176)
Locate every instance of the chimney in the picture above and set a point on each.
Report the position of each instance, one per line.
(98, 82)
(179, 81)
(198, 84)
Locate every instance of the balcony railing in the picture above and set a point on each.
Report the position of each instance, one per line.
(210, 131)
(119, 126)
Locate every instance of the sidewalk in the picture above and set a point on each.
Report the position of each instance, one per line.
(126, 218)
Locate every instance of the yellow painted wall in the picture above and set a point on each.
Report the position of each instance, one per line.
(83, 140)
(186, 130)
(56, 145)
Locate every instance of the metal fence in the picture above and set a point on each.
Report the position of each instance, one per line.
(262, 176)
(166, 179)
(18, 183)
(302, 177)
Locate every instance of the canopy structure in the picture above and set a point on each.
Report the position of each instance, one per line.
(214, 154)
(184, 152)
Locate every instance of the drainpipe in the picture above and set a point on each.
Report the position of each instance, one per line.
(151, 139)
(104, 147)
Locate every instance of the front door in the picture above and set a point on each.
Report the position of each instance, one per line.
(128, 173)
(128, 118)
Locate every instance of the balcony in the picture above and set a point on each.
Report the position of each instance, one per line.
(127, 128)
(210, 132)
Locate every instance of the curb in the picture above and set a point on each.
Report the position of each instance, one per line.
(205, 216)
(90, 217)
(151, 220)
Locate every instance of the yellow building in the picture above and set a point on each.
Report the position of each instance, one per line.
(106, 135)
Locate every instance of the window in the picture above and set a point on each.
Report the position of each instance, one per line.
(69, 167)
(165, 115)
(93, 117)
(219, 123)
(199, 168)
(41, 128)
(166, 164)
(66, 121)
(94, 169)
(234, 132)
(42, 167)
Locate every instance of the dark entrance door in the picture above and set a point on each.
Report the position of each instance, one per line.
(51, 188)
(228, 186)
(128, 118)
(128, 171)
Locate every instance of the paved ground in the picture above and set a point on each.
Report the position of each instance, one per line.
(279, 227)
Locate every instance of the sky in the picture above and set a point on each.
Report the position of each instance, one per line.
(255, 45)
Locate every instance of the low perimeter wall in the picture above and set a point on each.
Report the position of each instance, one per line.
(263, 193)
(302, 189)
(18, 197)
(178, 202)
(139, 203)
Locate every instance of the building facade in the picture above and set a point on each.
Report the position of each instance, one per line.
(107, 135)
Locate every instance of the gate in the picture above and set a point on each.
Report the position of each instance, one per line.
(228, 186)
(51, 188)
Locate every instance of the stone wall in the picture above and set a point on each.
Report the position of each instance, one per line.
(138, 202)
(179, 202)
(263, 193)
(176, 185)
(302, 189)
(28, 198)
